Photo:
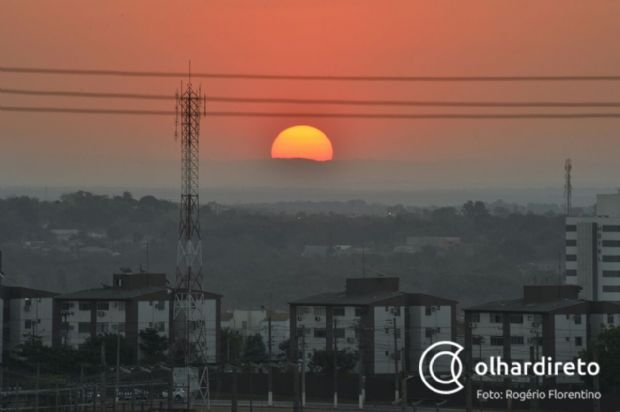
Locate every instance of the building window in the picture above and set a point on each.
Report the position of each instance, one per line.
(516, 340)
(477, 340)
(571, 258)
(339, 333)
(610, 318)
(67, 306)
(571, 272)
(28, 324)
(84, 306)
(475, 317)
(102, 328)
(103, 305)
(611, 289)
(359, 312)
(338, 311)
(120, 305)
(571, 242)
(611, 243)
(428, 310)
(496, 318)
(497, 341)
(319, 311)
(516, 318)
(611, 258)
(578, 341)
(611, 273)
(577, 319)
(611, 228)
(429, 333)
(161, 305)
(118, 327)
(320, 333)
(571, 228)
(84, 327)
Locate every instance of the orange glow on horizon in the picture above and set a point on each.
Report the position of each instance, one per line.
(302, 142)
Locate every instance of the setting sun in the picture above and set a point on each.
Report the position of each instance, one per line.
(302, 142)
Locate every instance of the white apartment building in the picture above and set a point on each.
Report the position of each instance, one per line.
(549, 320)
(135, 302)
(28, 316)
(593, 251)
(387, 328)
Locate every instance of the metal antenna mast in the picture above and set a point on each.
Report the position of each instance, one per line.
(568, 187)
(189, 317)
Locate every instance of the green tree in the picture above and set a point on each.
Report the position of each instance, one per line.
(254, 350)
(232, 345)
(322, 361)
(153, 346)
(607, 347)
(92, 350)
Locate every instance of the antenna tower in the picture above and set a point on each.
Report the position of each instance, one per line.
(568, 187)
(189, 298)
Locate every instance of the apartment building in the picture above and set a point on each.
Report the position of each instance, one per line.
(549, 320)
(593, 251)
(387, 328)
(135, 302)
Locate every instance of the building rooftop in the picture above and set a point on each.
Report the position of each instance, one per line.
(344, 299)
(111, 293)
(18, 292)
(523, 306)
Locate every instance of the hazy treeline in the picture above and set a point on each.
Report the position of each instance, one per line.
(255, 256)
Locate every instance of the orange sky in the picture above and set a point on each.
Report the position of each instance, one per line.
(396, 37)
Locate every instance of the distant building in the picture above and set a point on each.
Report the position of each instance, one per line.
(387, 328)
(316, 251)
(593, 251)
(135, 302)
(549, 320)
(64, 235)
(253, 322)
(415, 244)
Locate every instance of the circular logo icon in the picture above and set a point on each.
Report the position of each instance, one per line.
(435, 382)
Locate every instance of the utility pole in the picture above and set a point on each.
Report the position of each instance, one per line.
(37, 387)
(362, 377)
(396, 392)
(303, 367)
(103, 376)
(335, 366)
(596, 407)
(269, 350)
(118, 366)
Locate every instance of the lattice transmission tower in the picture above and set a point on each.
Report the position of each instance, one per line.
(189, 310)
(568, 187)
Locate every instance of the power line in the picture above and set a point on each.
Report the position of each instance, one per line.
(64, 93)
(253, 76)
(229, 99)
(584, 115)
